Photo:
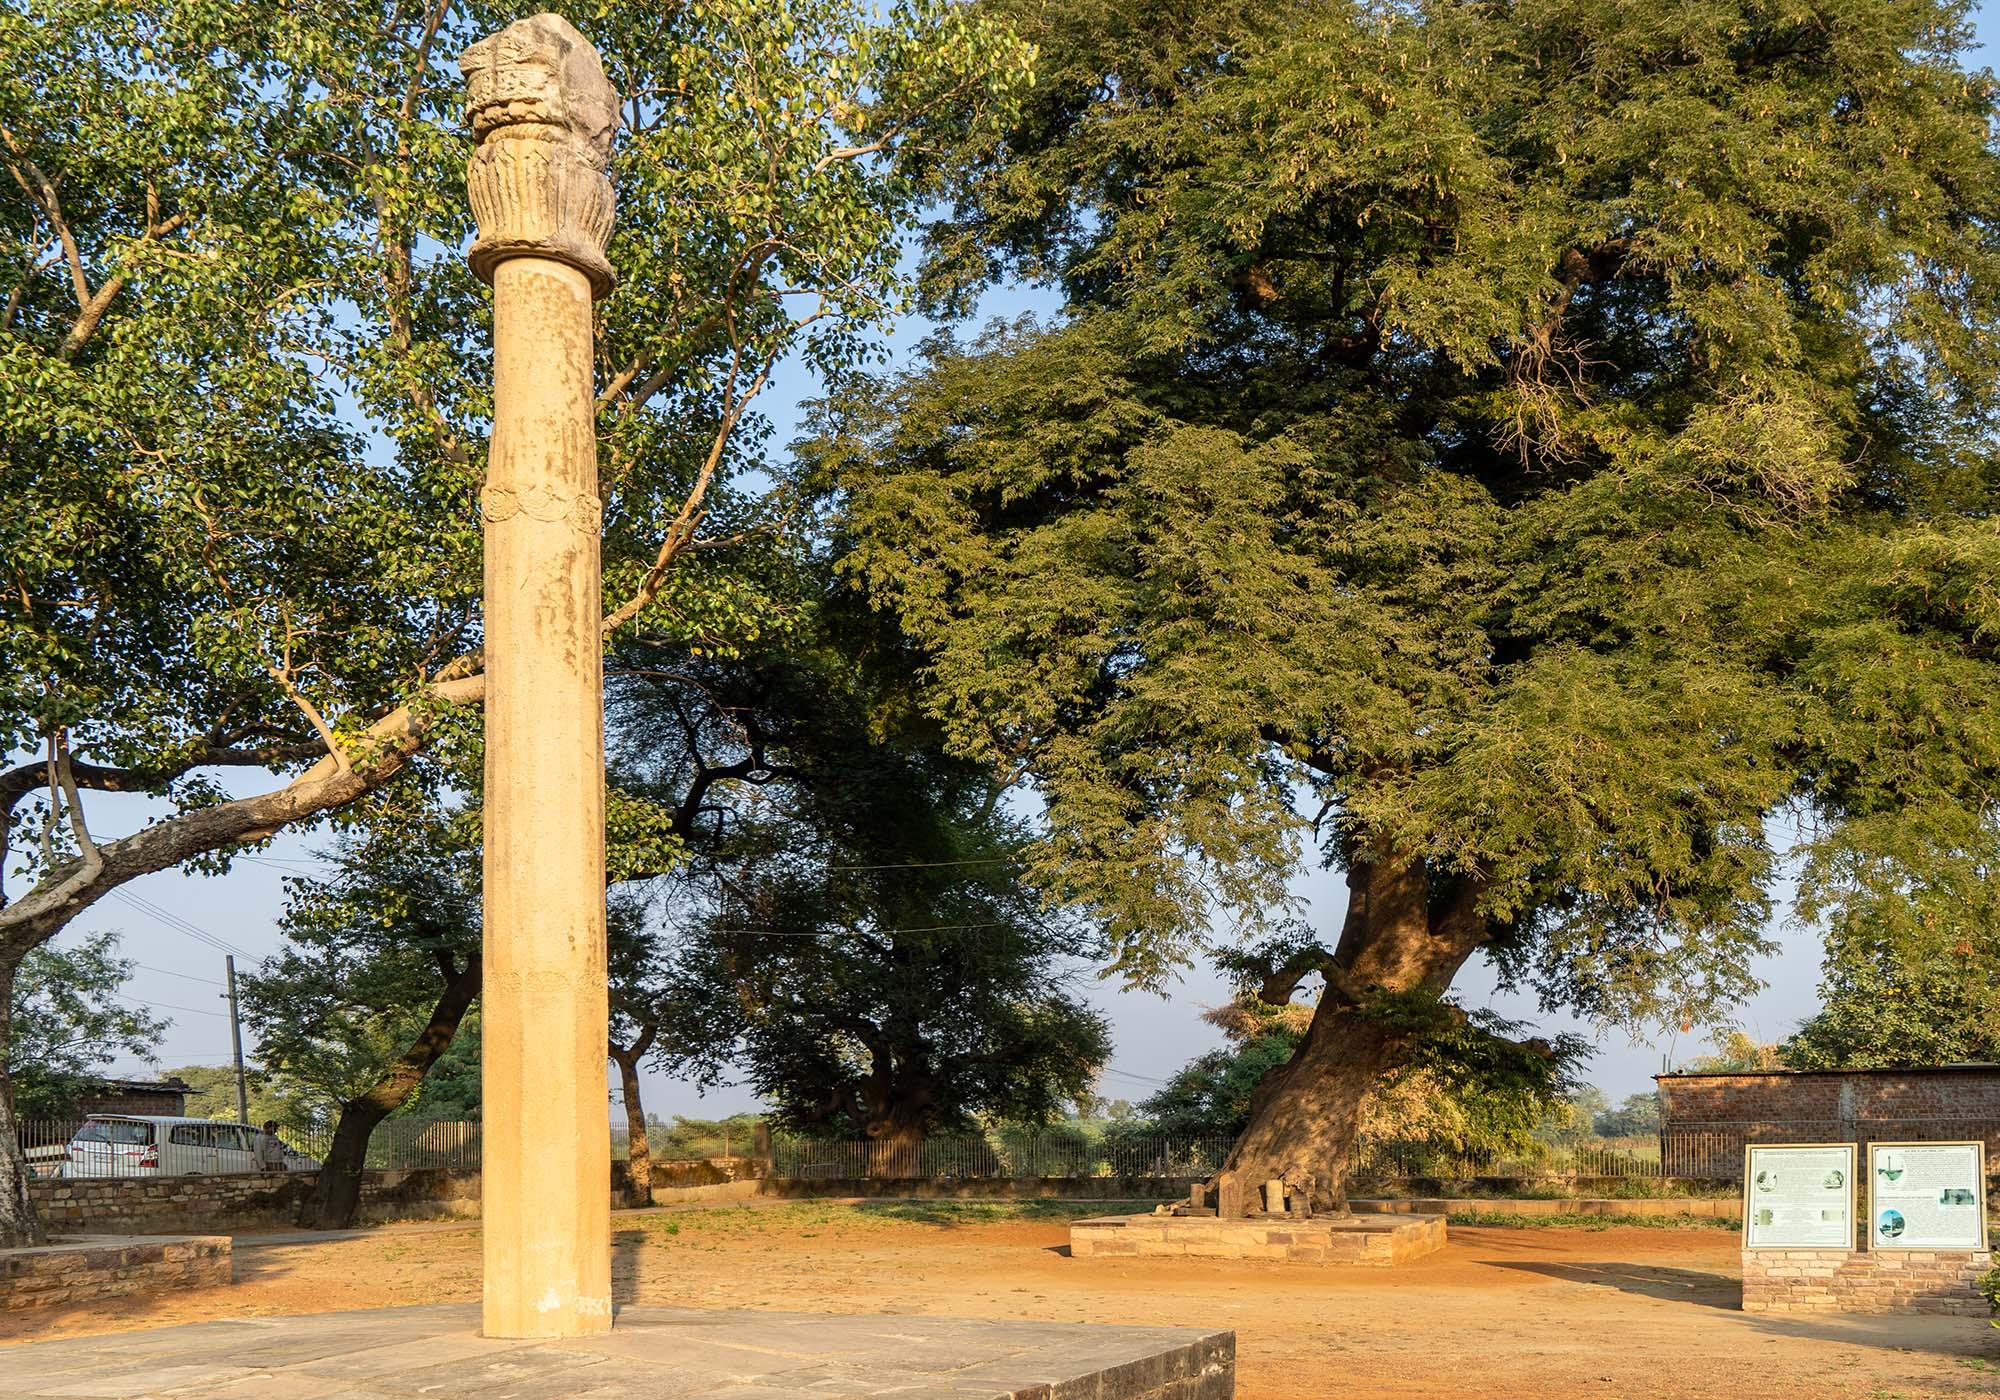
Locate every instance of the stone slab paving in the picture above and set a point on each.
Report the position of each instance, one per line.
(435, 1353)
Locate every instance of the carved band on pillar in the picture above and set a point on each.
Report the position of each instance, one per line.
(544, 115)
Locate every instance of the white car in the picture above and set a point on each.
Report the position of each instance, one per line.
(107, 1144)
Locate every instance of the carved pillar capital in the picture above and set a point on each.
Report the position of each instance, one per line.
(544, 114)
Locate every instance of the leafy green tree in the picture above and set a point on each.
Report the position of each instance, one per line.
(865, 951)
(71, 1015)
(244, 369)
(1637, 1116)
(272, 1097)
(1735, 1052)
(1912, 955)
(1546, 441)
(380, 966)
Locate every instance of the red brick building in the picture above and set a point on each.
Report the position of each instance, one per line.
(1707, 1119)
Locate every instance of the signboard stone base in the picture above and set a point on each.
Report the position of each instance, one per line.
(1844, 1281)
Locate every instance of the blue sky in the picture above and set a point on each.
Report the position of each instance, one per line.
(175, 926)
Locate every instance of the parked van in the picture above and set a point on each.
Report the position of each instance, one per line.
(107, 1144)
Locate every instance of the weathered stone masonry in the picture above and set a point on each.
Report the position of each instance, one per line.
(247, 1200)
(1837, 1280)
(86, 1270)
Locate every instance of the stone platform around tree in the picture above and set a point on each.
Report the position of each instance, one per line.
(1327, 1239)
(436, 1353)
(82, 1268)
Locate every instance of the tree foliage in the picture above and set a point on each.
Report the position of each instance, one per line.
(244, 375)
(1552, 439)
(863, 947)
(1912, 954)
(368, 953)
(1556, 434)
(272, 1098)
(71, 1016)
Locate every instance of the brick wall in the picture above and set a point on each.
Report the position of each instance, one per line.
(1707, 1119)
(84, 1271)
(1837, 1280)
(249, 1200)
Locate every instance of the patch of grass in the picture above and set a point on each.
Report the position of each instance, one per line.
(1510, 1220)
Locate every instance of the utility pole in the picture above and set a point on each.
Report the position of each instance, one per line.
(236, 1044)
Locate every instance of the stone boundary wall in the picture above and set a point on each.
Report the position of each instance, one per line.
(82, 1271)
(1881, 1281)
(151, 1205)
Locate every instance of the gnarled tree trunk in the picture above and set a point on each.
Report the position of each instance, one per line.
(638, 1152)
(896, 1143)
(1403, 933)
(337, 1194)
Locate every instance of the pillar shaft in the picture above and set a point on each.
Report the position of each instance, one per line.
(547, 1159)
(539, 102)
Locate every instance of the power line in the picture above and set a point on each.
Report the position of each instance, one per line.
(167, 1006)
(184, 976)
(176, 923)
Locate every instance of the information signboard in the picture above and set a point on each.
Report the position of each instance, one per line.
(1927, 1195)
(1799, 1196)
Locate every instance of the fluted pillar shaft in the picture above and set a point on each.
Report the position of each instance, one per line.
(539, 102)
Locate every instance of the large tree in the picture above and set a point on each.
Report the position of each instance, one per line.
(244, 370)
(1510, 453)
(380, 967)
(72, 1015)
(860, 943)
(1912, 953)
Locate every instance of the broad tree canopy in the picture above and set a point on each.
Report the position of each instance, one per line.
(1553, 440)
(1529, 457)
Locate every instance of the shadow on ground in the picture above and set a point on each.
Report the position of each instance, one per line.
(627, 1249)
(1695, 1286)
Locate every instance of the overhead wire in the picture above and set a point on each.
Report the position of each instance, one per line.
(175, 922)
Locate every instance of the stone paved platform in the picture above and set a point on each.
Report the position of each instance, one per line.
(435, 1353)
(1378, 1240)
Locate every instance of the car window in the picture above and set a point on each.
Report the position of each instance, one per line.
(184, 1135)
(122, 1131)
(229, 1137)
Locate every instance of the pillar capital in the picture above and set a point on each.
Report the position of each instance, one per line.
(544, 114)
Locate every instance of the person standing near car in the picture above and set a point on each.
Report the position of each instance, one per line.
(270, 1151)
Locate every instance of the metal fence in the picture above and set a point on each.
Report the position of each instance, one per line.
(1536, 1161)
(120, 1146)
(999, 1156)
(114, 1147)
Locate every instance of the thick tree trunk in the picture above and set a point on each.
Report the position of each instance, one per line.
(638, 1152)
(896, 1144)
(1401, 935)
(337, 1194)
(19, 1225)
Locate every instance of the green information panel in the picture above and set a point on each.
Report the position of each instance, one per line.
(1799, 1196)
(1927, 1195)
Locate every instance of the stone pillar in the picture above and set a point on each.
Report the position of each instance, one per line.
(544, 115)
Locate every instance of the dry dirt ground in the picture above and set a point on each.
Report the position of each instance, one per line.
(1571, 1314)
